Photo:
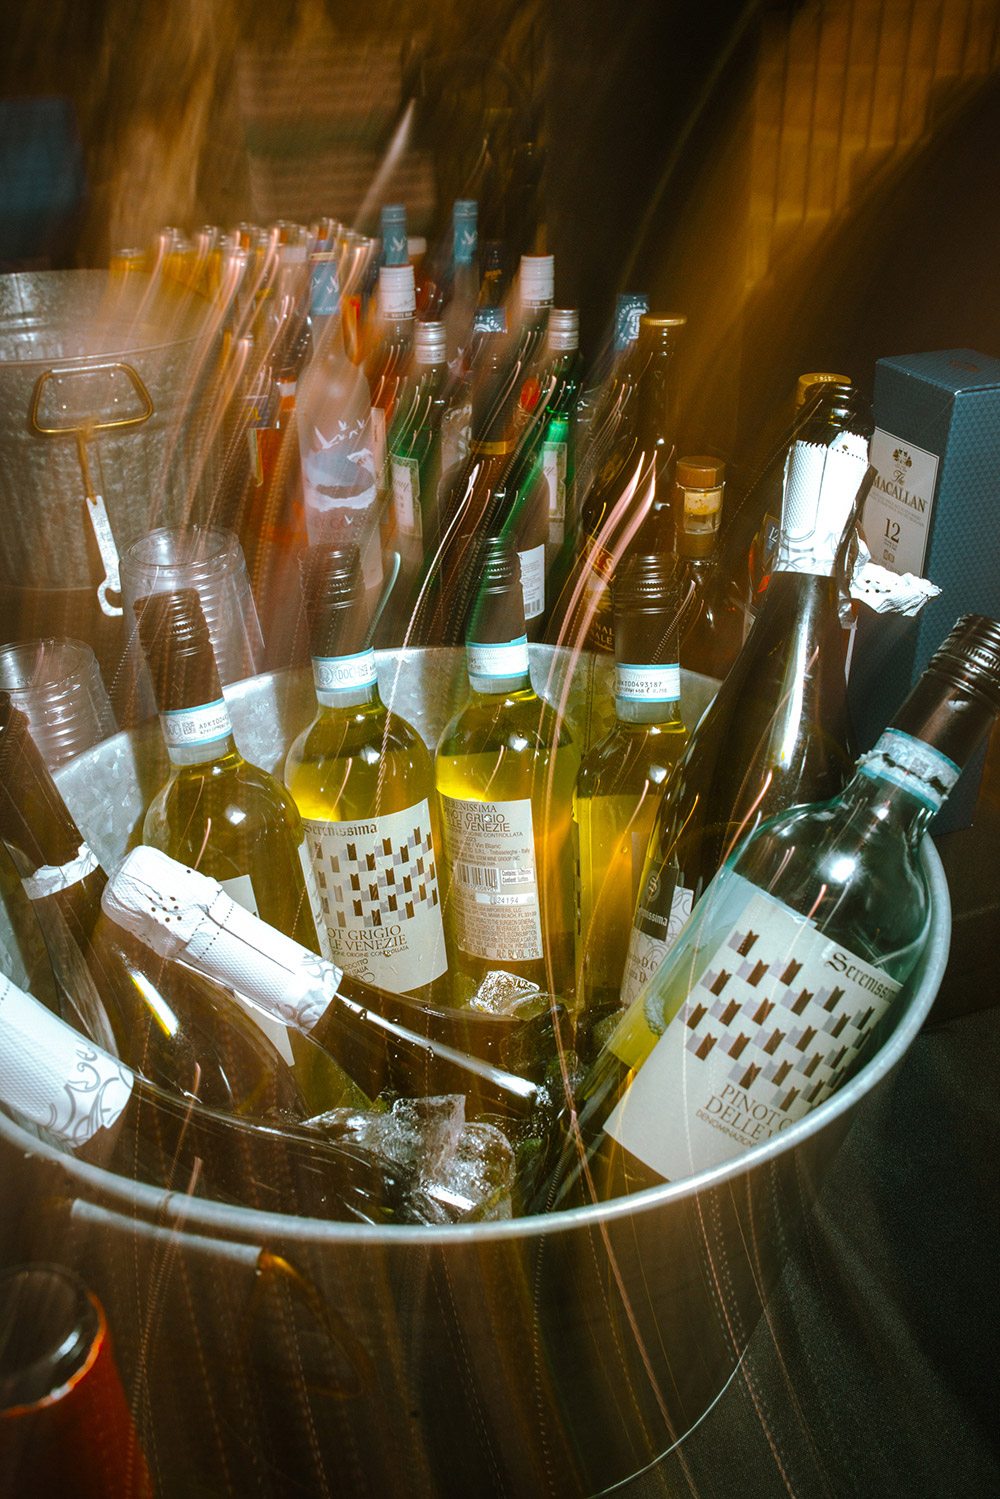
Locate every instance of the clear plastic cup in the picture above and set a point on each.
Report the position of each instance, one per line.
(210, 560)
(58, 684)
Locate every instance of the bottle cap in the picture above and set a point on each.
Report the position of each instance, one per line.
(333, 589)
(466, 209)
(971, 656)
(538, 279)
(178, 649)
(700, 473)
(397, 294)
(805, 384)
(564, 328)
(465, 229)
(656, 320)
(497, 615)
(394, 234)
(429, 343)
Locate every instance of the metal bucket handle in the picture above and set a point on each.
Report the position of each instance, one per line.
(83, 432)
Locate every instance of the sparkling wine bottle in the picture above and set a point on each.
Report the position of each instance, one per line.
(363, 782)
(505, 769)
(621, 778)
(379, 1039)
(415, 448)
(180, 1030)
(76, 1095)
(778, 731)
(791, 957)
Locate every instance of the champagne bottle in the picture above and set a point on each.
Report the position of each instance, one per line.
(778, 731)
(185, 915)
(65, 1425)
(791, 957)
(621, 778)
(180, 1030)
(711, 620)
(505, 768)
(363, 782)
(78, 1096)
(634, 487)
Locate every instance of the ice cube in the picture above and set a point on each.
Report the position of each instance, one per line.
(499, 993)
(475, 1184)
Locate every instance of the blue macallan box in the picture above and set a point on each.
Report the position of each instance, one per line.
(935, 511)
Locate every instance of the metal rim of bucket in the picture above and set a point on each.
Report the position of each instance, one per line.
(188, 1214)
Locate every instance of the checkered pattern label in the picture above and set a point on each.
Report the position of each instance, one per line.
(767, 1033)
(377, 884)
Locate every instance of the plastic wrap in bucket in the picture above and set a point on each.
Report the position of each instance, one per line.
(120, 370)
(547, 1356)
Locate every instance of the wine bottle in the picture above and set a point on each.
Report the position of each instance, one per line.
(778, 731)
(65, 1425)
(78, 1096)
(621, 778)
(505, 768)
(363, 782)
(711, 619)
(180, 1030)
(535, 294)
(415, 447)
(185, 915)
(792, 956)
(598, 402)
(633, 489)
(389, 361)
(456, 423)
(464, 296)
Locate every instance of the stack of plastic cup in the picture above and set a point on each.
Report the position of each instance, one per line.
(58, 684)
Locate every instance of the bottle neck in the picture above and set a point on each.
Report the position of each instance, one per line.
(47, 848)
(199, 733)
(656, 414)
(498, 668)
(346, 681)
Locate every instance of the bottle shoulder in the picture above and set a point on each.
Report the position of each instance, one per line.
(519, 722)
(629, 758)
(231, 791)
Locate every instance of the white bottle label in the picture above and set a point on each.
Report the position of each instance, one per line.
(821, 485)
(406, 496)
(494, 889)
(336, 675)
(378, 440)
(646, 953)
(533, 581)
(207, 724)
(52, 1075)
(767, 1033)
(647, 684)
(51, 878)
(900, 503)
(554, 470)
(490, 664)
(240, 888)
(378, 892)
(917, 767)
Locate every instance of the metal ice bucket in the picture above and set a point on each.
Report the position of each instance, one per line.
(555, 1356)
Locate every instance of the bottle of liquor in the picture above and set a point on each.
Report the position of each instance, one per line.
(629, 504)
(65, 1425)
(791, 957)
(711, 619)
(622, 777)
(535, 295)
(505, 769)
(488, 322)
(778, 731)
(599, 402)
(178, 1029)
(77, 1095)
(415, 447)
(217, 812)
(363, 781)
(394, 238)
(464, 296)
(389, 362)
(380, 1039)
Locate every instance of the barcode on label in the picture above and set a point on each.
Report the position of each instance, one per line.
(533, 607)
(481, 876)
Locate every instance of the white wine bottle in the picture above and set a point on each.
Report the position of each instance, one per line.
(363, 780)
(505, 768)
(791, 957)
(621, 778)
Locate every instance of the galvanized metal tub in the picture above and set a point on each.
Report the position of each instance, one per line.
(548, 1356)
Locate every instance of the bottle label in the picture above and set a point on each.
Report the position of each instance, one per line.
(647, 684)
(378, 440)
(240, 889)
(769, 1030)
(554, 471)
(324, 285)
(207, 724)
(917, 767)
(406, 496)
(51, 878)
(533, 581)
(821, 484)
(646, 951)
(335, 675)
(379, 901)
(490, 665)
(900, 503)
(52, 1076)
(494, 890)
